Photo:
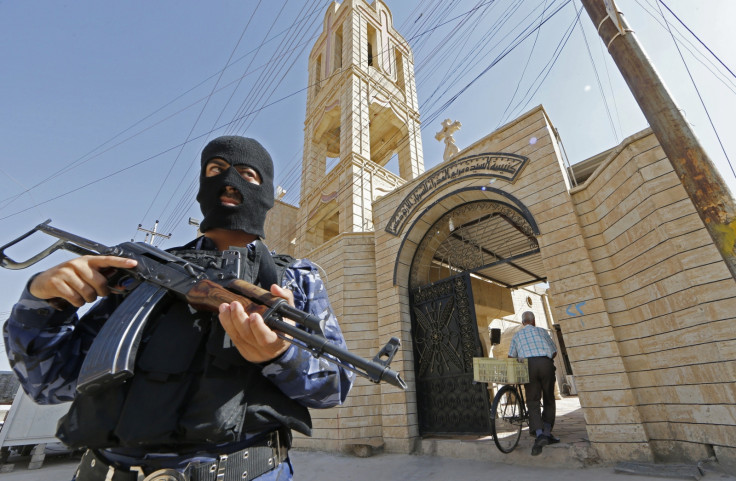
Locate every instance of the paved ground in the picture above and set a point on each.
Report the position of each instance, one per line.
(467, 460)
(316, 466)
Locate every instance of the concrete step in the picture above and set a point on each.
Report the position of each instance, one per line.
(575, 454)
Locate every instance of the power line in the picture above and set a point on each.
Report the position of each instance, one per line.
(441, 109)
(496, 60)
(81, 160)
(194, 160)
(715, 131)
(695, 52)
(263, 85)
(598, 81)
(517, 41)
(434, 114)
(252, 112)
(201, 111)
(523, 71)
(186, 200)
(553, 60)
(697, 38)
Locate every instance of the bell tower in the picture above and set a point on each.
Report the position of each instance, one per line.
(362, 113)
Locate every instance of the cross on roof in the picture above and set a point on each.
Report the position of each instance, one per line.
(448, 128)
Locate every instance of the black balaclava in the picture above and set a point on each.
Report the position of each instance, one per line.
(250, 215)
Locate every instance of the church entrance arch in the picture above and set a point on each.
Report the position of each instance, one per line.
(484, 247)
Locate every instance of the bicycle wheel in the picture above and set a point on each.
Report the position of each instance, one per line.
(506, 418)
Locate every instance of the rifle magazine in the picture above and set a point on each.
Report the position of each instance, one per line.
(111, 358)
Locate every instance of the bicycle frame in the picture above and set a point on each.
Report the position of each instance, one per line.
(520, 392)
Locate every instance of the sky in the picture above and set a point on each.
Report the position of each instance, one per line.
(105, 106)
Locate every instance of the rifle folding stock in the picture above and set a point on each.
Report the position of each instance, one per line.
(111, 357)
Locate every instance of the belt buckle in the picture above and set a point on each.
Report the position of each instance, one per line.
(166, 475)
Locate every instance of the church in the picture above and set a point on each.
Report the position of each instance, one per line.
(611, 253)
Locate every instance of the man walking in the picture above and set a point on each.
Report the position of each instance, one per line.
(535, 344)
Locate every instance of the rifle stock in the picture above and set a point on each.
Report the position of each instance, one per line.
(112, 355)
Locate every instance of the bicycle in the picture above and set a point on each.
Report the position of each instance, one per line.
(508, 409)
(508, 417)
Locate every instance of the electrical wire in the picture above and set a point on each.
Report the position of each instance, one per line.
(425, 123)
(493, 63)
(523, 71)
(266, 105)
(350, 186)
(187, 199)
(697, 90)
(189, 190)
(520, 38)
(76, 163)
(107, 176)
(698, 39)
(520, 27)
(432, 28)
(695, 52)
(551, 63)
(201, 111)
(600, 85)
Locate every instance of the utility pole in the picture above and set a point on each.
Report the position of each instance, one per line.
(152, 233)
(703, 183)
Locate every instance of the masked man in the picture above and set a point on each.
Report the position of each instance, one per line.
(214, 397)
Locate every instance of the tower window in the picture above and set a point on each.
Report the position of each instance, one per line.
(317, 73)
(372, 53)
(400, 70)
(338, 49)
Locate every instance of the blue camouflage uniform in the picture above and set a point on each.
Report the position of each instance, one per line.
(46, 349)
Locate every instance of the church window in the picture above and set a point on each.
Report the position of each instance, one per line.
(385, 50)
(400, 82)
(372, 53)
(317, 74)
(338, 49)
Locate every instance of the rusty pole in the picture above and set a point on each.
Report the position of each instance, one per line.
(703, 183)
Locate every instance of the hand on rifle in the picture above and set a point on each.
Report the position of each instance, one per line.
(255, 341)
(79, 280)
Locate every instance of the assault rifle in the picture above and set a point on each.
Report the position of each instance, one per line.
(111, 357)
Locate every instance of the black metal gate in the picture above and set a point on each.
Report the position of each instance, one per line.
(445, 337)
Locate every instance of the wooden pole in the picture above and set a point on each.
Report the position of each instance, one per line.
(703, 183)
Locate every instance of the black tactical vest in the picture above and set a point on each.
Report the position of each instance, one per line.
(191, 385)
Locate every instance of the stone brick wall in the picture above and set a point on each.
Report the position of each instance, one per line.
(349, 271)
(670, 301)
(281, 228)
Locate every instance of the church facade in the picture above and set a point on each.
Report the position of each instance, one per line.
(638, 292)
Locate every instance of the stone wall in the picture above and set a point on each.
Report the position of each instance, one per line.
(280, 230)
(348, 262)
(670, 300)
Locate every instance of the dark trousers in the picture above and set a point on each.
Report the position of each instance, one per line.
(541, 387)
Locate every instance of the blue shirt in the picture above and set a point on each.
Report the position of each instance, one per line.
(532, 341)
(46, 348)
